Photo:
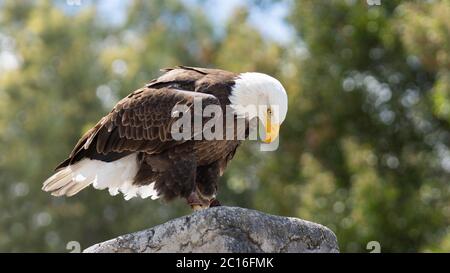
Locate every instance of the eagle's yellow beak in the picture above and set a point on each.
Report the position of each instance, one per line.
(272, 130)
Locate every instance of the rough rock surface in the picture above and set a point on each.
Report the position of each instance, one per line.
(226, 229)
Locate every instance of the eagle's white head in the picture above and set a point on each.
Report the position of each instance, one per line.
(262, 96)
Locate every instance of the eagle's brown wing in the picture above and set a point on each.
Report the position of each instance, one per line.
(140, 122)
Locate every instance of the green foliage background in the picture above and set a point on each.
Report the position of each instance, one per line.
(364, 149)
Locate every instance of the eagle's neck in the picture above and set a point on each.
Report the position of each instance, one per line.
(247, 94)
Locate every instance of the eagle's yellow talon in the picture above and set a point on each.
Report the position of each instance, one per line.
(197, 207)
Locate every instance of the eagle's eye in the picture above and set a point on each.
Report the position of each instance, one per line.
(269, 112)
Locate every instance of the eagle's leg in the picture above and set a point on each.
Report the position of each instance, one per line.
(214, 203)
(197, 202)
(206, 185)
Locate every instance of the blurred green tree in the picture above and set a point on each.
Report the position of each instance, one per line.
(373, 161)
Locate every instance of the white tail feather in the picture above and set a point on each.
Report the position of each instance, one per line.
(117, 176)
(57, 180)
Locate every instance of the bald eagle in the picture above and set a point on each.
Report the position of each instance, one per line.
(132, 149)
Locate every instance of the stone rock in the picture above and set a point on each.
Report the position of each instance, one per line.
(226, 229)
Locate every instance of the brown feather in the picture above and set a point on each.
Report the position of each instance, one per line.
(141, 123)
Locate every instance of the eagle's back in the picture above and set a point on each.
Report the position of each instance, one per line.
(215, 82)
